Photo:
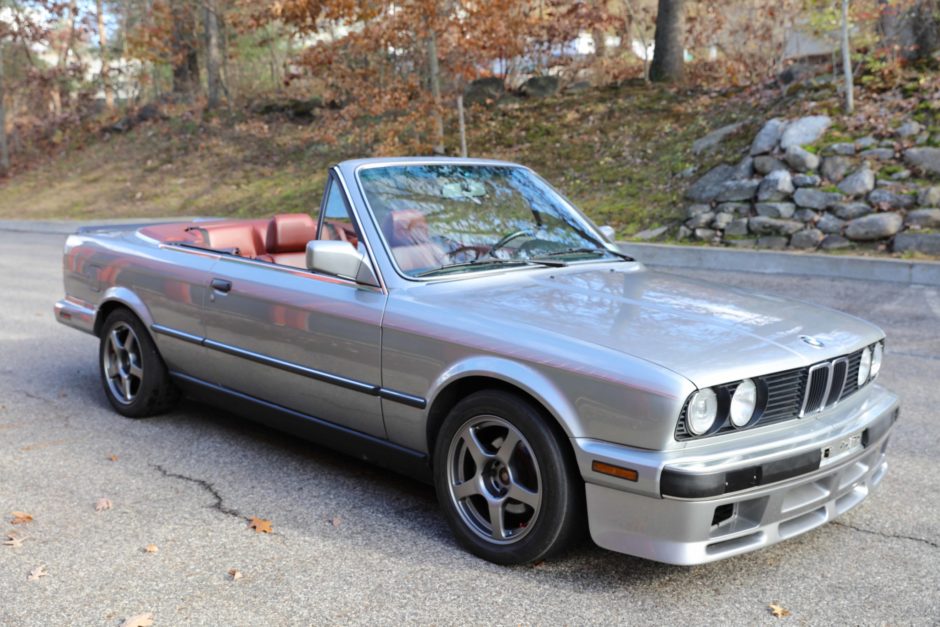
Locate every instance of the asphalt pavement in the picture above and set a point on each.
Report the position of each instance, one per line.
(354, 544)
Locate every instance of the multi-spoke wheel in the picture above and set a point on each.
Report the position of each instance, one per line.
(505, 480)
(133, 375)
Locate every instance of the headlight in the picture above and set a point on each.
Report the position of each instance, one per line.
(743, 403)
(876, 357)
(703, 409)
(864, 367)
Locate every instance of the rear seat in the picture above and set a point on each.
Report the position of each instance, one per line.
(282, 239)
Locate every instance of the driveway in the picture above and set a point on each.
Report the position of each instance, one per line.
(354, 544)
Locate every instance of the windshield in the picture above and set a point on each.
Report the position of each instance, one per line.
(453, 218)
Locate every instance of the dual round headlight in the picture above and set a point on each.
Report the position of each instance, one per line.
(703, 411)
(870, 363)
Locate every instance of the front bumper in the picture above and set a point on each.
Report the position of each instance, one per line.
(635, 518)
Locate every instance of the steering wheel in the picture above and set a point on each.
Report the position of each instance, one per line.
(505, 239)
(478, 251)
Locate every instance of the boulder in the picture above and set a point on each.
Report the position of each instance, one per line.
(737, 227)
(744, 169)
(705, 234)
(873, 227)
(806, 180)
(835, 242)
(737, 208)
(829, 223)
(807, 239)
(923, 218)
(772, 242)
(850, 210)
(694, 210)
(887, 199)
(768, 136)
(773, 226)
(804, 131)
(814, 198)
(776, 186)
(765, 164)
(929, 197)
(835, 168)
(901, 175)
(843, 149)
(684, 233)
(484, 91)
(775, 209)
(706, 189)
(700, 220)
(878, 154)
(711, 140)
(801, 159)
(927, 243)
(806, 215)
(909, 129)
(924, 159)
(865, 142)
(737, 190)
(722, 220)
(649, 234)
(858, 183)
(539, 87)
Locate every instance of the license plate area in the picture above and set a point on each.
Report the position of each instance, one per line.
(843, 448)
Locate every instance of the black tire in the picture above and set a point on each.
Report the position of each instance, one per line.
(152, 392)
(559, 518)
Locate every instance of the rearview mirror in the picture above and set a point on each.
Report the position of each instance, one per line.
(340, 259)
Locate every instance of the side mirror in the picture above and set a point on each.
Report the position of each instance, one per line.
(608, 232)
(340, 259)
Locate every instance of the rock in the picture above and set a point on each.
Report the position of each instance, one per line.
(815, 198)
(766, 164)
(737, 227)
(807, 239)
(649, 234)
(923, 218)
(922, 138)
(577, 87)
(768, 136)
(707, 188)
(539, 87)
(828, 223)
(693, 210)
(484, 91)
(684, 233)
(858, 183)
(772, 242)
(806, 215)
(806, 180)
(801, 160)
(744, 169)
(843, 149)
(775, 209)
(804, 131)
(874, 226)
(737, 190)
(850, 210)
(878, 154)
(835, 168)
(722, 220)
(886, 199)
(924, 159)
(909, 129)
(689, 172)
(929, 197)
(772, 226)
(887, 184)
(888, 143)
(711, 140)
(700, 220)
(742, 243)
(705, 234)
(738, 208)
(865, 142)
(927, 243)
(901, 175)
(835, 242)
(776, 186)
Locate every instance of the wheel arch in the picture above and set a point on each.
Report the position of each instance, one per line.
(116, 297)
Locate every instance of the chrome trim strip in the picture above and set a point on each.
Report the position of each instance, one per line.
(304, 371)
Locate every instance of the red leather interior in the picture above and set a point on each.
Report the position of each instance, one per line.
(407, 233)
(290, 232)
(242, 238)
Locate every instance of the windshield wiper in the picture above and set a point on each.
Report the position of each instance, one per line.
(584, 251)
(490, 262)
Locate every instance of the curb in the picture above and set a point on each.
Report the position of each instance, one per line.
(769, 262)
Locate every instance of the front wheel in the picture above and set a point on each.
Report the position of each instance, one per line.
(506, 483)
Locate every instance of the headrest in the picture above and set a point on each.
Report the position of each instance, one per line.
(290, 232)
(238, 236)
(406, 227)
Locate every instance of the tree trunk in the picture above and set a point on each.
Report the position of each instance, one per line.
(185, 59)
(4, 151)
(105, 64)
(847, 61)
(434, 70)
(213, 54)
(668, 49)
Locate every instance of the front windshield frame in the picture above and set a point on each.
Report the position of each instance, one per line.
(583, 221)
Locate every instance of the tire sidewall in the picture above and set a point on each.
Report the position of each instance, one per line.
(153, 367)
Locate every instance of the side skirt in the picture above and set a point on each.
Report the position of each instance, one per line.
(363, 446)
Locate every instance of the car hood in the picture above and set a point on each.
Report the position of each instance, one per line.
(707, 332)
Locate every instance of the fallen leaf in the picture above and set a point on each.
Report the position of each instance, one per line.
(102, 504)
(260, 525)
(36, 573)
(138, 620)
(112, 458)
(151, 548)
(21, 518)
(335, 521)
(538, 564)
(778, 611)
(235, 574)
(13, 541)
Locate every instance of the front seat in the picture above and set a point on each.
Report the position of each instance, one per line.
(287, 237)
(406, 231)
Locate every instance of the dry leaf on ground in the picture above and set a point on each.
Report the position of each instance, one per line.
(36, 573)
(139, 620)
(151, 548)
(235, 574)
(13, 541)
(778, 611)
(260, 525)
(20, 518)
(112, 458)
(102, 504)
(335, 521)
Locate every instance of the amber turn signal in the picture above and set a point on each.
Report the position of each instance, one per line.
(614, 471)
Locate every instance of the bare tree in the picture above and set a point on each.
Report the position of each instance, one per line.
(435, 77)
(213, 53)
(185, 57)
(847, 61)
(105, 64)
(668, 51)
(4, 151)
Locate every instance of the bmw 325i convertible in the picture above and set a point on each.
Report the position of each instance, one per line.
(461, 322)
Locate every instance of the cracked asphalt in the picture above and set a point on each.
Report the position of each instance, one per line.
(187, 482)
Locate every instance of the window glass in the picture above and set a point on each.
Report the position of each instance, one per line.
(337, 220)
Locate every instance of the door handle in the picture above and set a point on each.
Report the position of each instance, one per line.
(221, 285)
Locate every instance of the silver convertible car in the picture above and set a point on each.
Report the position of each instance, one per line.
(461, 322)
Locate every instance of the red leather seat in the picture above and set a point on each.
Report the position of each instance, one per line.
(287, 237)
(241, 238)
(406, 231)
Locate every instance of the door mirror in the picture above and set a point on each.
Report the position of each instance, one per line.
(340, 259)
(608, 232)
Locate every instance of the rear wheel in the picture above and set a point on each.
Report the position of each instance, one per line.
(133, 374)
(507, 486)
